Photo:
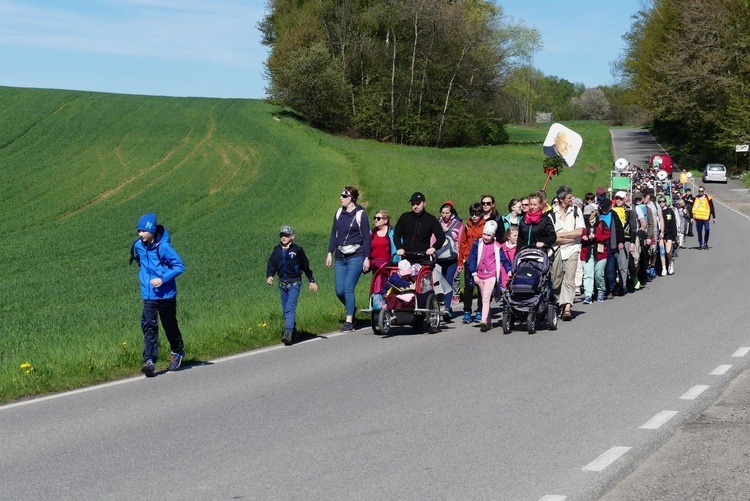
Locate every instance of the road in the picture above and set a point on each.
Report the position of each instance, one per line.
(455, 415)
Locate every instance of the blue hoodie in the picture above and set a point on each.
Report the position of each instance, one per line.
(158, 260)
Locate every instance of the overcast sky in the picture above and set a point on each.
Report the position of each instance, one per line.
(211, 48)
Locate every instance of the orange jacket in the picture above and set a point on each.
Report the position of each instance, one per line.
(468, 237)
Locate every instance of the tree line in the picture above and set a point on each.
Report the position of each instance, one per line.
(687, 64)
(417, 72)
(423, 72)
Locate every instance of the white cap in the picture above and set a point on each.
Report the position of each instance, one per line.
(621, 194)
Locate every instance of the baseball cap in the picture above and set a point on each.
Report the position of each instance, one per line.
(286, 230)
(417, 197)
(621, 194)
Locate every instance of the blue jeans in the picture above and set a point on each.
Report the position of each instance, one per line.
(700, 227)
(289, 294)
(347, 271)
(449, 271)
(166, 309)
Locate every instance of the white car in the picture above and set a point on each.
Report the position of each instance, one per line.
(715, 172)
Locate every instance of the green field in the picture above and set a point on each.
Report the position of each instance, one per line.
(78, 168)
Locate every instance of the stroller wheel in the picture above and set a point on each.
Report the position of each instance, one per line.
(433, 317)
(552, 317)
(531, 322)
(384, 321)
(507, 321)
(374, 322)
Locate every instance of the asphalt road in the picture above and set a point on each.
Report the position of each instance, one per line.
(455, 415)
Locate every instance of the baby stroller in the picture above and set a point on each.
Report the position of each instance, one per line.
(529, 293)
(426, 306)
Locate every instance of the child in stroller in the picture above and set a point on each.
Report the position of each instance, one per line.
(404, 294)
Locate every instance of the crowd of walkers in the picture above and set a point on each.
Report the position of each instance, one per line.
(606, 244)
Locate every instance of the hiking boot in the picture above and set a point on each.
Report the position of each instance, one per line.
(287, 338)
(175, 360)
(483, 327)
(347, 327)
(600, 298)
(587, 300)
(467, 317)
(148, 368)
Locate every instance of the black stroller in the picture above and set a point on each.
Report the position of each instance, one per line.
(529, 293)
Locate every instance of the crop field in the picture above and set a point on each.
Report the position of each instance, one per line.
(77, 169)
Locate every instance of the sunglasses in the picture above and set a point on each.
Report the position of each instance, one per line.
(662, 201)
(346, 194)
(486, 203)
(285, 235)
(378, 218)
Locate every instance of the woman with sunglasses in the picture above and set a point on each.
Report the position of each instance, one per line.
(490, 213)
(382, 248)
(473, 229)
(349, 250)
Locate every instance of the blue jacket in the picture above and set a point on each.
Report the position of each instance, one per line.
(289, 263)
(158, 260)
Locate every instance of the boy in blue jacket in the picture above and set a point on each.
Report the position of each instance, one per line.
(159, 265)
(289, 261)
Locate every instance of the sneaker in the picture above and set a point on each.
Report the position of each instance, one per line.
(664, 272)
(287, 338)
(670, 269)
(467, 317)
(600, 298)
(636, 284)
(448, 315)
(175, 360)
(587, 300)
(347, 327)
(652, 272)
(455, 300)
(148, 368)
(483, 327)
(610, 296)
(477, 317)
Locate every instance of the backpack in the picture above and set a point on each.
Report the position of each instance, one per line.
(449, 249)
(134, 256)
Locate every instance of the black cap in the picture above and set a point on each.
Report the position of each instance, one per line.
(605, 204)
(417, 197)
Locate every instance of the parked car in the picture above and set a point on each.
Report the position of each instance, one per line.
(715, 172)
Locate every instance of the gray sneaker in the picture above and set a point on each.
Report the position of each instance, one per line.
(148, 368)
(175, 360)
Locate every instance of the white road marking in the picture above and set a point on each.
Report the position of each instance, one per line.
(720, 370)
(606, 459)
(741, 352)
(655, 422)
(694, 392)
(553, 497)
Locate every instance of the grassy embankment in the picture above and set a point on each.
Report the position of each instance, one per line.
(77, 169)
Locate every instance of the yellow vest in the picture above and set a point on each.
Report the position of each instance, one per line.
(701, 208)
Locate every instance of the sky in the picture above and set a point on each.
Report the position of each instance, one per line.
(211, 48)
